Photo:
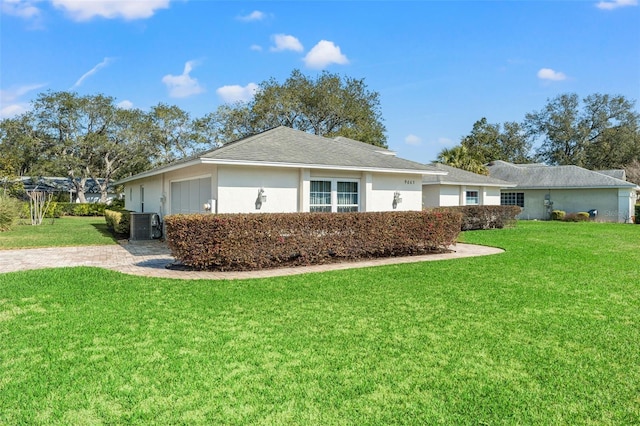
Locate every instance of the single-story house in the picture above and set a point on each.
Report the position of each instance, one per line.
(64, 185)
(281, 170)
(540, 189)
(461, 188)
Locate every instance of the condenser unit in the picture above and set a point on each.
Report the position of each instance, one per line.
(145, 226)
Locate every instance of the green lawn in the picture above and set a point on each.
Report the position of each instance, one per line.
(547, 333)
(65, 231)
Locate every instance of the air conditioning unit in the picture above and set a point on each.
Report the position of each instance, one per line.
(145, 226)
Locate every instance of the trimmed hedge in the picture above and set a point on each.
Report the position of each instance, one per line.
(256, 241)
(558, 215)
(118, 221)
(485, 217)
(577, 217)
(57, 209)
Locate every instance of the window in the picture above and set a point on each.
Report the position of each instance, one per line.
(347, 197)
(512, 199)
(472, 198)
(334, 196)
(320, 196)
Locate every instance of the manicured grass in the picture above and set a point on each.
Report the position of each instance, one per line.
(547, 333)
(65, 231)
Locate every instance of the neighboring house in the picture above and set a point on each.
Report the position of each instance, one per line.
(460, 188)
(281, 170)
(63, 185)
(541, 189)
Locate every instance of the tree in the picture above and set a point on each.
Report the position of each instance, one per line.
(632, 171)
(460, 158)
(328, 106)
(21, 155)
(173, 135)
(488, 142)
(602, 134)
(72, 130)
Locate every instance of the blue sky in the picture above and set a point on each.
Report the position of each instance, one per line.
(438, 66)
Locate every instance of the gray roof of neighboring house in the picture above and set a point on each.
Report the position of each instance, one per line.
(60, 184)
(284, 146)
(540, 176)
(457, 176)
(615, 173)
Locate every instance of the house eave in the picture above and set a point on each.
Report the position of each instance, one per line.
(319, 166)
(158, 171)
(493, 185)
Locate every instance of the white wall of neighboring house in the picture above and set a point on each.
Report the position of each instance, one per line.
(612, 204)
(441, 195)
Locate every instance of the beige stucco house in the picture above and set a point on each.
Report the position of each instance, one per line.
(540, 189)
(282, 170)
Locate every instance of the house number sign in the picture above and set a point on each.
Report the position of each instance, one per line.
(409, 182)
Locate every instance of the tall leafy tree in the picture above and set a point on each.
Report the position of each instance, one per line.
(72, 129)
(21, 154)
(173, 134)
(488, 142)
(599, 133)
(329, 105)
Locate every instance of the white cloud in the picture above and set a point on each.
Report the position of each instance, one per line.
(13, 110)
(129, 10)
(183, 85)
(126, 104)
(325, 53)
(10, 103)
(256, 15)
(413, 140)
(615, 4)
(256, 48)
(236, 93)
(92, 71)
(286, 42)
(20, 8)
(549, 74)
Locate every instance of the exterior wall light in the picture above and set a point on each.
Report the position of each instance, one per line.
(262, 198)
(397, 199)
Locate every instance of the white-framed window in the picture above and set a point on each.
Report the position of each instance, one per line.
(472, 198)
(334, 195)
(320, 200)
(512, 199)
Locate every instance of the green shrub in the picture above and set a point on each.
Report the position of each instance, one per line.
(9, 212)
(255, 241)
(558, 215)
(485, 217)
(577, 217)
(118, 221)
(54, 210)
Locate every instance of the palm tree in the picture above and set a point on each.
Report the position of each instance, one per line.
(459, 157)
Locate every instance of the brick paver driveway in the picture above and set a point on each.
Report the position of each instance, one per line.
(149, 258)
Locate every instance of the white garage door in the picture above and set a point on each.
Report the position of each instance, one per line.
(189, 196)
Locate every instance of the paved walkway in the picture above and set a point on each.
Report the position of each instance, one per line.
(149, 258)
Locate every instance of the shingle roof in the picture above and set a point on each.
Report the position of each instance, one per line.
(457, 176)
(541, 176)
(288, 146)
(615, 173)
(284, 146)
